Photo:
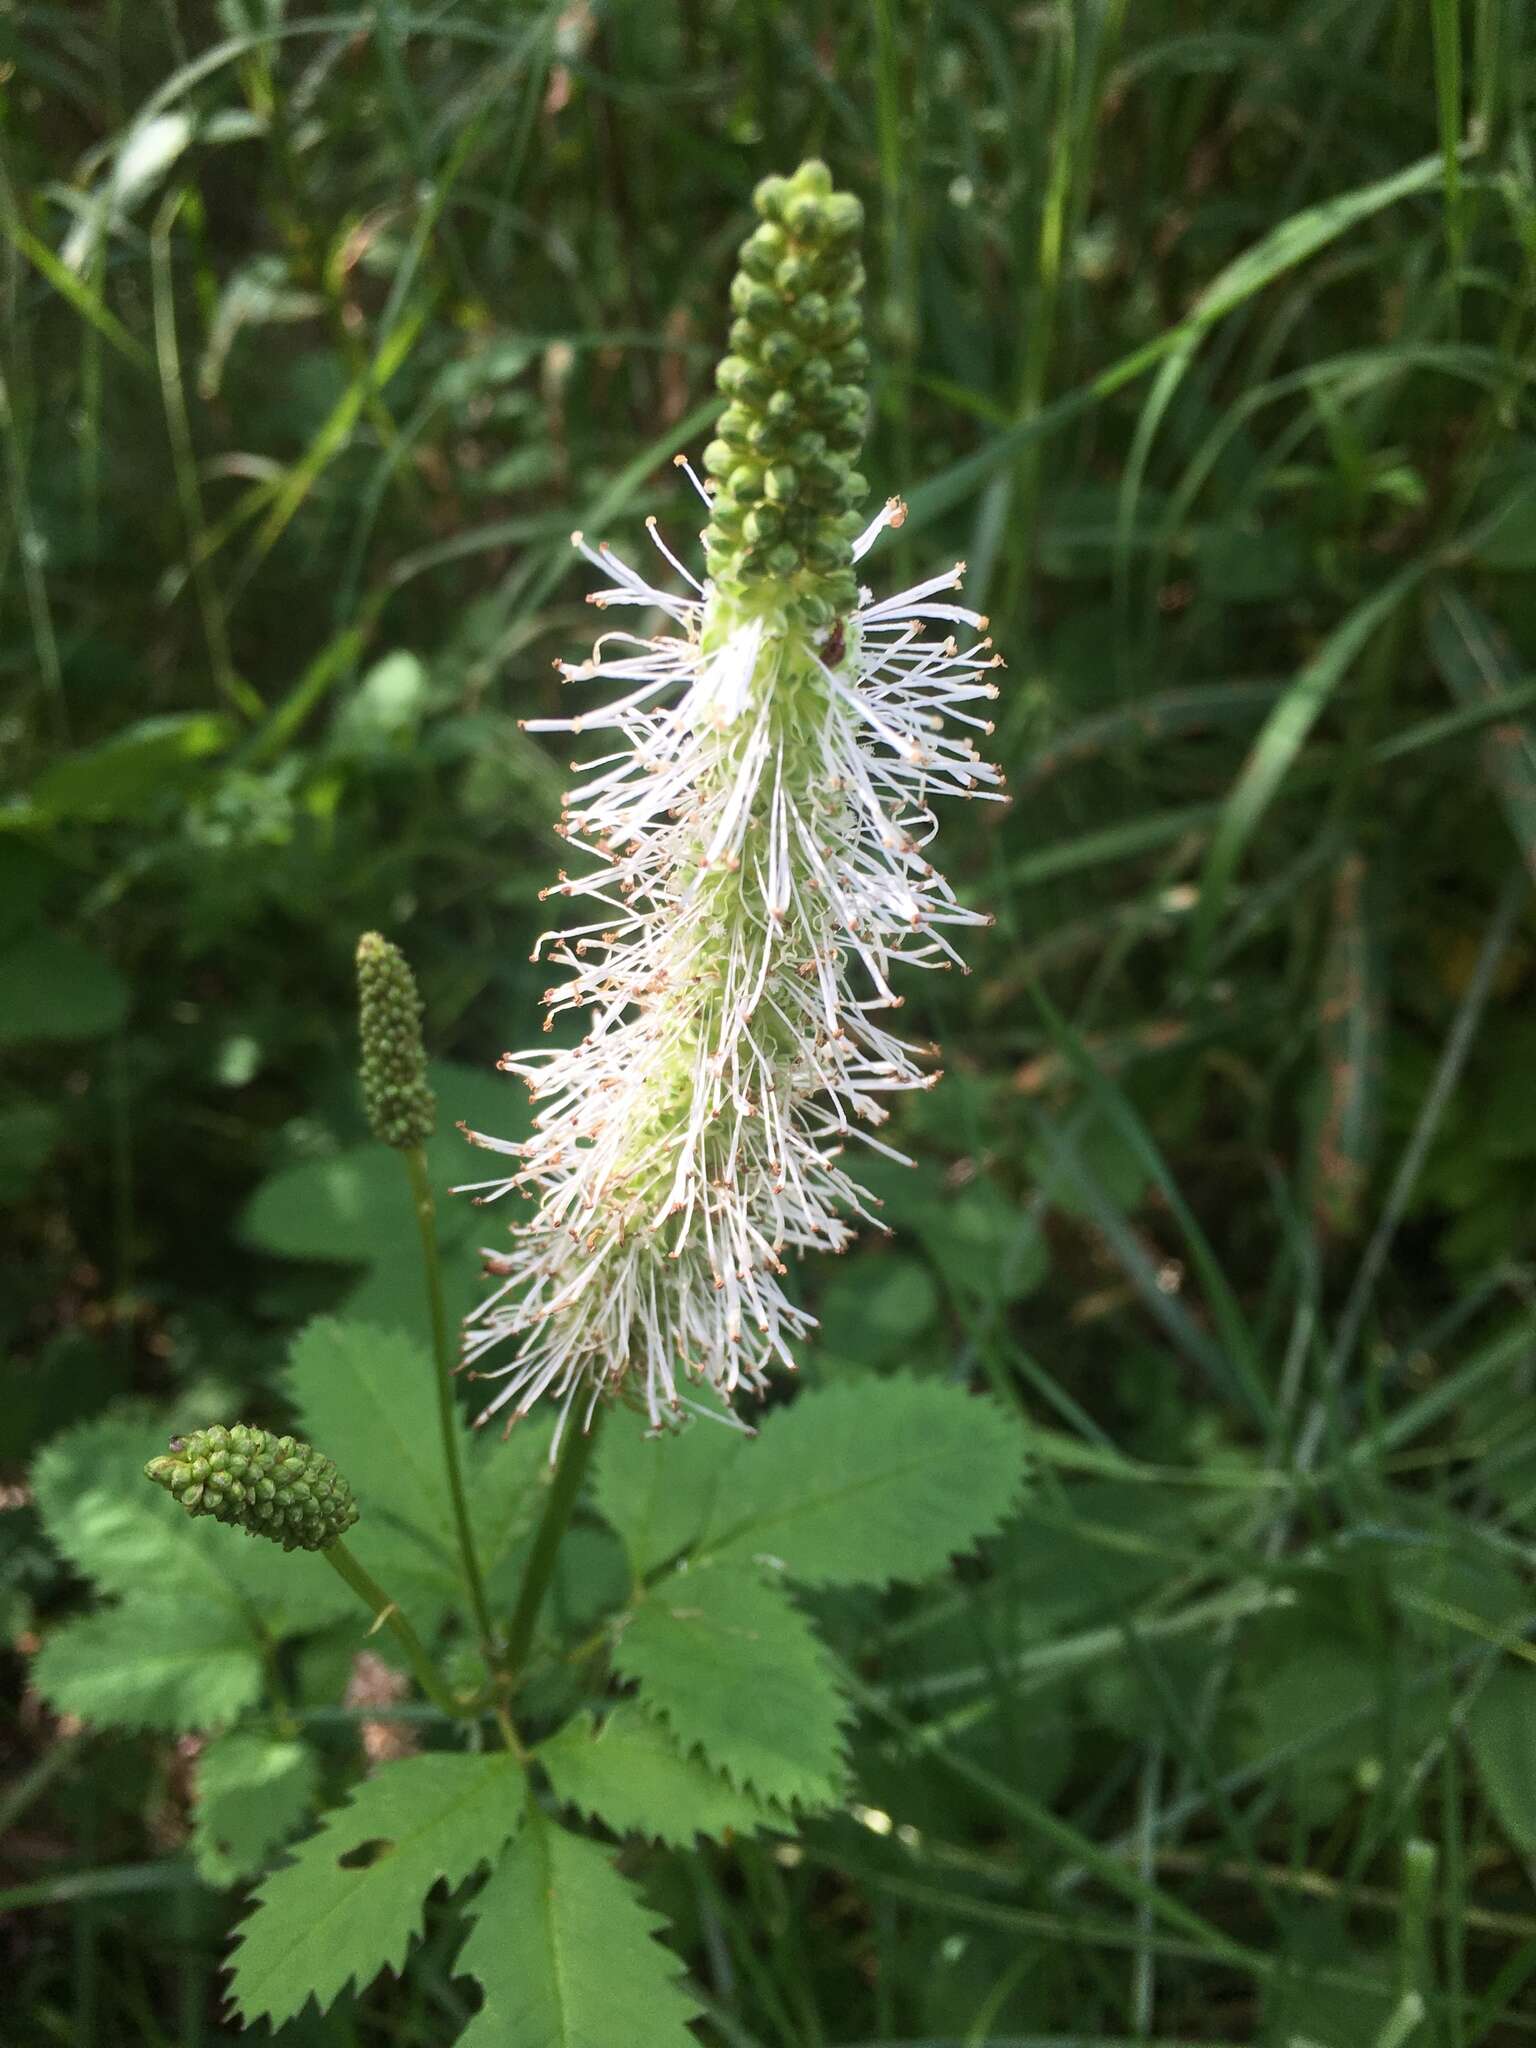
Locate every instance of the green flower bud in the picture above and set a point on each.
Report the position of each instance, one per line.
(844, 217)
(794, 275)
(402, 1110)
(761, 251)
(763, 523)
(806, 218)
(781, 354)
(786, 444)
(757, 303)
(771, 196)
(809, 313)
(267, 1485)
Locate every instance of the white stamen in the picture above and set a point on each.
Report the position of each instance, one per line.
(758, 833)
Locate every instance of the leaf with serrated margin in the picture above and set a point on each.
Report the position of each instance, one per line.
(659, 1492)
(736, 1671)
(152, 1663)
(860, 1485)
(252, 1791)
(631, 1775)
(505, 1482)
(355, 1208)
(375, 1392)
(322, 1922)
(113, 1526)
(565, 1953)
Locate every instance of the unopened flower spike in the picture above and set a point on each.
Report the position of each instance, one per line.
(759, 825)
(402, 1110)
(267, 1485)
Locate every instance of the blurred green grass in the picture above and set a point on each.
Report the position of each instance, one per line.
(1204, 335)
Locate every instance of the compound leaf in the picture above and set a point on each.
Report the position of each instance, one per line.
(334, 1915)
(566, 1956)
(505, 1480)
(152, 1663)
(375, 1391)
(631, 1775)
(116, 1528)
(865, 1483)
(659, 1492)
(356, 1209)
(252, 1792)
(736, 1671)
(98, 1509)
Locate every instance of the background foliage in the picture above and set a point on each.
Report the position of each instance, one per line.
(1204, 335)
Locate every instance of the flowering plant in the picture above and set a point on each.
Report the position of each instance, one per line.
(761, 830)
(761, 823)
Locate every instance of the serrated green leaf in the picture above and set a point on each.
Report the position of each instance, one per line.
(369, 1397)
(374, 1391)
(152, 1663)
(321, 1922)
(859, 1485)
(252, 1792)
(851, 1485)
(505, 1479)
(737, 1672)
(631, 1775)
(1501, 1731)
(659, 1492)
(126, 1534)
(90, 1492)
(356, 1208)
(565, 1953)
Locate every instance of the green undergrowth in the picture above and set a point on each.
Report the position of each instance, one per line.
(1204, 335)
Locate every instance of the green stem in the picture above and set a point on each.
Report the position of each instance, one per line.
(447, 1414)
(569, 1474)
(368, 1589)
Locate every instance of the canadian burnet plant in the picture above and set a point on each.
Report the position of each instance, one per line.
(761, 831)
(760, 824)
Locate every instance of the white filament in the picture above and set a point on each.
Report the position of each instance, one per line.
(759, 831)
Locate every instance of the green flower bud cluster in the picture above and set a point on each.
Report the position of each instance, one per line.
(787, 496)
(267, 1485)
(402, 1110)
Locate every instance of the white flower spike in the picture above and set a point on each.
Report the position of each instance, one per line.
(760, 828)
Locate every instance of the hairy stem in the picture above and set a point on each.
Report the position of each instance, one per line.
(368, 1590)
(569, 1473)
(447, 1416)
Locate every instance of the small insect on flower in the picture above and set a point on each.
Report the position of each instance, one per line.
(760, 830)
